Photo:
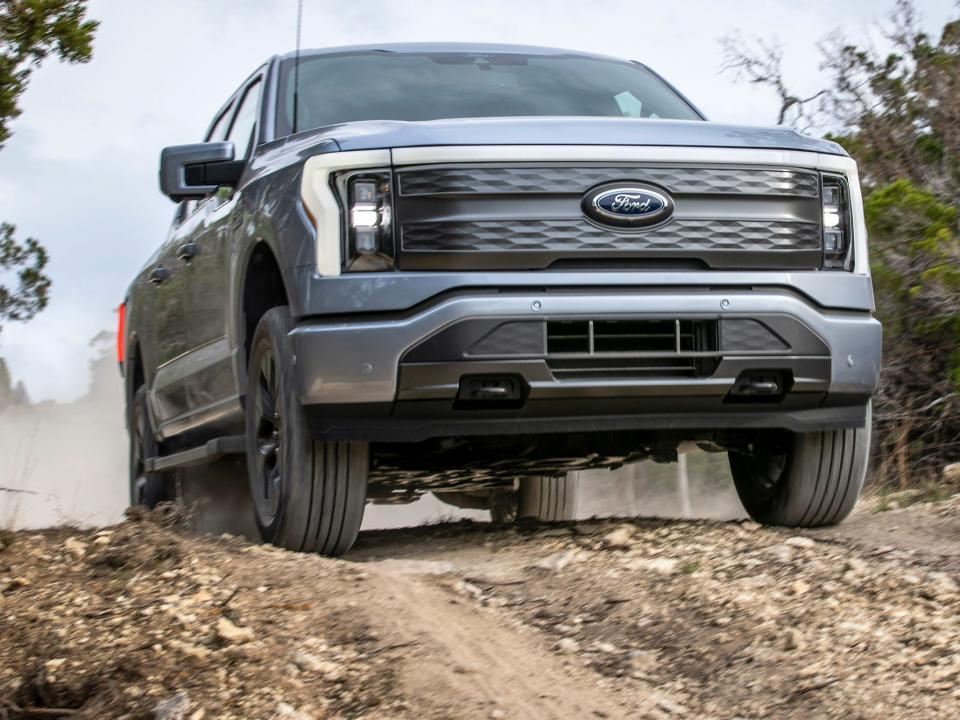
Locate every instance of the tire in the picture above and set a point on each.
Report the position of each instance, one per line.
(814, 479)
(146, 488)
(549, 499)
(308, 495)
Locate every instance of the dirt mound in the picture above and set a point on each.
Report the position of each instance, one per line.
(647, 619)
(137, 621)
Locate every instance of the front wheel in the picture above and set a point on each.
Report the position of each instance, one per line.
(308, 495)
(803, 479)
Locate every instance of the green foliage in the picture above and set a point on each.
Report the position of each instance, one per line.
(29, 259)
(916, 268)
(30, 31)
(899, 115)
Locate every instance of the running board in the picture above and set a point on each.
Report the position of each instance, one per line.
(211, 451)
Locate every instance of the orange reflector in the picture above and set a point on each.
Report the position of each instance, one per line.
(121, 321)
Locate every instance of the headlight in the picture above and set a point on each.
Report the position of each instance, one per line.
(369, 223)
(324, 192)
(837, 243)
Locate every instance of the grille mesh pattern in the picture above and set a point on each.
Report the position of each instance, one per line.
(505, 180)
(745, 335)
(512, 338)
(576, 235)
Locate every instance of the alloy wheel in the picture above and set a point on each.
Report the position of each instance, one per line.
(269, 438)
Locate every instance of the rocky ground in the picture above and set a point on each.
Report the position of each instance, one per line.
(646, 619)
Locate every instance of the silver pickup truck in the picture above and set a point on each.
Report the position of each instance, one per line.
(474, 270)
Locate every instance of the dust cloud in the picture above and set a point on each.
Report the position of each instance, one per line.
(66, 463)
(650, 489)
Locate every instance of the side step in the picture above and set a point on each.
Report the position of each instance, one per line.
(212, 450)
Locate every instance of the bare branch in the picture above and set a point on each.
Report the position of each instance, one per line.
(760, 62)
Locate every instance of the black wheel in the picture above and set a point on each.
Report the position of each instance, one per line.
(146, 488)
(803, 479)
(549, 499)
(308, 495)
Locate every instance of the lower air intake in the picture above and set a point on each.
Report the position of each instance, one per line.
(632, 348)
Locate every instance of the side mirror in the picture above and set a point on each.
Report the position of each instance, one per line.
(189, 172)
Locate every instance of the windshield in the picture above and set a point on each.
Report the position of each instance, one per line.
(387, 85)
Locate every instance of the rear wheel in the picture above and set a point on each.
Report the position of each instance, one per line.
(804, 479)
(549, 498)
(146, 488)
(308, 495)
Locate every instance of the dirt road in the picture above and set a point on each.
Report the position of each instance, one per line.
(647, 619)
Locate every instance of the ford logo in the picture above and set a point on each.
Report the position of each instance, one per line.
(627, 206)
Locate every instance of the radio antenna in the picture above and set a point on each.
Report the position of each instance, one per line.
(296, 68)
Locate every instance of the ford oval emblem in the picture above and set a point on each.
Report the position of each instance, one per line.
(627, 206)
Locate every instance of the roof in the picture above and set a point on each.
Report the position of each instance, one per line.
(444, 47)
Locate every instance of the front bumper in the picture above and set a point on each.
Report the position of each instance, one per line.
(357, 382)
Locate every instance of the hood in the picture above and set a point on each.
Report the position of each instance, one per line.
(371, 135)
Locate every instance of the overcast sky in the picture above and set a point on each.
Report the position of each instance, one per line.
(79, 173)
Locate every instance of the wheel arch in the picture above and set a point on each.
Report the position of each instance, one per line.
(261, 286)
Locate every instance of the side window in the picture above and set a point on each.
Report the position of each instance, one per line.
(219, 129)
(241, 132)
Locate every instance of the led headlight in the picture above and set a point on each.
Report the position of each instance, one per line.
(324, 191)
(836, 225)
(369, 236)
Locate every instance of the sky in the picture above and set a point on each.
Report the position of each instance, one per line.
(79, 173)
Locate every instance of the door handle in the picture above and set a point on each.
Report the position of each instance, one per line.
(158, 275)
(187, 251)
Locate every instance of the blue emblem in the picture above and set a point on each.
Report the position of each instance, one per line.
(630, 206)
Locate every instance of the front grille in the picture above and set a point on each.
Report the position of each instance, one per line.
(581, 349)
(557, 236)
(515, 216)
(556, 179)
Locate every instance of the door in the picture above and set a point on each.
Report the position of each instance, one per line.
(212, 390)
(169, 278)
(166, 284)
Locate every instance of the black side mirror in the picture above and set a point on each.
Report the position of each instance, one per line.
(191, 172)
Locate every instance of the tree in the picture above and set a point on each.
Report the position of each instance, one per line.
(11, 394)
(27, 262)
(6, 386)
(30, 32)
(759, 61)
(897, 114)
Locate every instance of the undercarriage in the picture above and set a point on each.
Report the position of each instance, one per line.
(400, 472)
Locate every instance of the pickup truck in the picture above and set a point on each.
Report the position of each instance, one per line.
(475, 270)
